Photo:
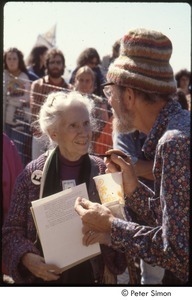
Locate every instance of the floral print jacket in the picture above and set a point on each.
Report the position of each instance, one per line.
(165, 241)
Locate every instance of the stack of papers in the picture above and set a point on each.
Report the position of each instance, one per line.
(60, 228)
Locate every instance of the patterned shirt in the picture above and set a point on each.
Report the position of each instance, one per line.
(165, 241)
(16, 97)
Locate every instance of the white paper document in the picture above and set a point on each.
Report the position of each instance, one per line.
(60, 228)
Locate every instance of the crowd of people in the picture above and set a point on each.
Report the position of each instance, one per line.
(123, 104)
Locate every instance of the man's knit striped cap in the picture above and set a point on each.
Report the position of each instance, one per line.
(143, 62)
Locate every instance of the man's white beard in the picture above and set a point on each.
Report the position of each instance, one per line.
(124, 123)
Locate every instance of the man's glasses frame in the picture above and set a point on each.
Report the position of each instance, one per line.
(107, 90)
(55, 62)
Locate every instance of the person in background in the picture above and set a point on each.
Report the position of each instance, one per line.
(84, 83)
(140, 90)
(11, 168)
(103, 141)
(16, 114)
(183, 78)
(131, 144)
(108, 59)
(53, 81)
(182, 99)
(66, 120)
(90, 57)
(36, 61)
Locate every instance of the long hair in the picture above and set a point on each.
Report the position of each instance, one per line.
(85, 69)
(86, 56)
(34, 57)
(183, 72)
(21, 65)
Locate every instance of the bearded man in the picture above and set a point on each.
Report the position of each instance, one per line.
(140, 89)
(40, 88)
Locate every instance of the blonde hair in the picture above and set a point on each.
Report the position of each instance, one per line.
(85, 69)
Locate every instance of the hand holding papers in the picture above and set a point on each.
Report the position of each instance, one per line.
(60, 228)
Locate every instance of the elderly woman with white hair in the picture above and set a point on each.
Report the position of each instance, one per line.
(66, 120)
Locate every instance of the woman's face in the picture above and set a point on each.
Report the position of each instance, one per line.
(84, 83)
(12, 62)
(73, 133)
(184, 82)
(93, 63)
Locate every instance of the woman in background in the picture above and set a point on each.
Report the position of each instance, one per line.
(36, 61)
(16, 115)
(183, 78)
(90, 57)
(12, 167)
(84, 83)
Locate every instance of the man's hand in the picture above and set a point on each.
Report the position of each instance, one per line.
(95, 216)
(116, 163)
(91, 237)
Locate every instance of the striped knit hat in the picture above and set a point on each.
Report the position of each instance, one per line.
(143, 62)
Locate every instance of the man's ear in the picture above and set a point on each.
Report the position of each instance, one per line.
(129, 98)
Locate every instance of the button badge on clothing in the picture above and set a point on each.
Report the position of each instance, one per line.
(66, 184)
(36, 177)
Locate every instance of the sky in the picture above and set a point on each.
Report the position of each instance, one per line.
(80, 25)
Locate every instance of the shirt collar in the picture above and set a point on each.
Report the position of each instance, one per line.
(159, 128)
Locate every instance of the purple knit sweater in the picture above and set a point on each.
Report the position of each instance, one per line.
(19, 233)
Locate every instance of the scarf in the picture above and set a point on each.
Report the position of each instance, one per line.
(52, 182)
(115, 261)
